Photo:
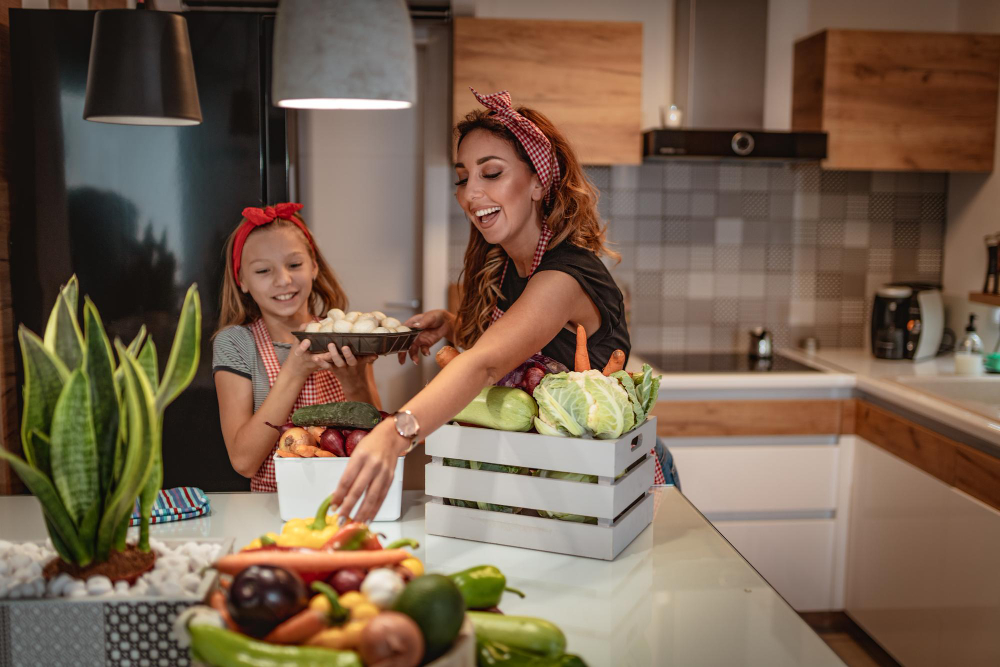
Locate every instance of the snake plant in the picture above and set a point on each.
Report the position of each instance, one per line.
(92, 423)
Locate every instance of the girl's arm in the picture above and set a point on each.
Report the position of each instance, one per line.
(550, 300)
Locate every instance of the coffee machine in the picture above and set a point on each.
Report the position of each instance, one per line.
(907, 321)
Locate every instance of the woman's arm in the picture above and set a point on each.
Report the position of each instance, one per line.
(550, 300)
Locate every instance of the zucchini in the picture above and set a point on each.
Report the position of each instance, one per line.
(346, 414)
(500, 408)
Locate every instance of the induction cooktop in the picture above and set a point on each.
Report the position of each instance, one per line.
(721, 363)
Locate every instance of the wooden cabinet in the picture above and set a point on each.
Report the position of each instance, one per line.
(922, 573)
(899, 100)
(584, 75)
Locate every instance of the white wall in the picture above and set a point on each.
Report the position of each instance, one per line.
(656, 16)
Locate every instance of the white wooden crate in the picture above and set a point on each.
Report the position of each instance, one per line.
(623, 507)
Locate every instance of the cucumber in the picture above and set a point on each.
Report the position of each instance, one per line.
(500, 408)
(346, 414)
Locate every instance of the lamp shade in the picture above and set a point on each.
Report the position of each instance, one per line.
(344, 54)
(141, 71)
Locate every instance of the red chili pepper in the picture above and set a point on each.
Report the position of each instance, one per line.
(354, 537)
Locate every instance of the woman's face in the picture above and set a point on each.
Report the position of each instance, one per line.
(277, 270)
(497, 190)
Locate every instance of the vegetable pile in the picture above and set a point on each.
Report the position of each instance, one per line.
(327, 430)
(375, 322)
(320, 595)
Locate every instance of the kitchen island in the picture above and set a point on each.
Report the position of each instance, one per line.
(678, 595)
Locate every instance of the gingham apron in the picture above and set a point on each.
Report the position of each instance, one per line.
(543, 244)
(320, 387)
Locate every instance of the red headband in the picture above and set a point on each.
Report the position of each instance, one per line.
(257, 217)
(537, 145)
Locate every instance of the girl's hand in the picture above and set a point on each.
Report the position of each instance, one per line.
(370, 471)
(302, 363)
(350, 371)
(436, 324)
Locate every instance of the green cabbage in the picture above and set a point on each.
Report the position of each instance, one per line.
(492, 467)
(586, 404)
(646, 387)
(629, 386)
(562, 404)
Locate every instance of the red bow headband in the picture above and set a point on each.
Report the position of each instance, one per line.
(535, 143)
(257, 217)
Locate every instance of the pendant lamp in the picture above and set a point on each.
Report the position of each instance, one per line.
(141, 71)
(344, 54)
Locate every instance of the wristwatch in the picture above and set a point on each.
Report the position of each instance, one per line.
(408, 427)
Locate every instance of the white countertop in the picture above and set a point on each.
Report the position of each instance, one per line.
(678, 595)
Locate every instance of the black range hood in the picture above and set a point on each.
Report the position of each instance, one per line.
(733, 144)
(720, 51)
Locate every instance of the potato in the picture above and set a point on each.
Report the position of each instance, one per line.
(380, 330)
(342, 326)
(390, 322)
(335, 314)
(352, 316)
(363, 325)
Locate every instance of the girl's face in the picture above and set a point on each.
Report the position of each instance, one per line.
(277, 270)
(497, 190)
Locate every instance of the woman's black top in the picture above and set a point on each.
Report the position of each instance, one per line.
(596, 281)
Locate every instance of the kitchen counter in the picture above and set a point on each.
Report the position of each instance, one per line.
(678, 595)
(895, 384)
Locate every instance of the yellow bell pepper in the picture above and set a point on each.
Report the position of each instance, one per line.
(414, 565)
(345, 637)
(310, 533)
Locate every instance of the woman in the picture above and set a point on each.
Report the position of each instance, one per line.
(532, 273)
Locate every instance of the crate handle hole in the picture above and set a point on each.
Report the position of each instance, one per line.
(636, 442)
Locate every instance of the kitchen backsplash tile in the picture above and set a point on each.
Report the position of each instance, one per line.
(710, 250)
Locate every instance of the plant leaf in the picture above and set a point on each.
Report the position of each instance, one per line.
(44, 377)
(143, 441)
(184, 352)
(133, 349)
(99, 366)
(74, 448)
(52, 506)
(62, 333)
(57, 542)
(71, 292)
(41, 450)
(147, 360)
(147, 498)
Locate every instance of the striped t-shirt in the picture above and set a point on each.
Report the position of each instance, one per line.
(234, 351)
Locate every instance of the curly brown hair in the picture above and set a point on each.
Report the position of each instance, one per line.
(239, 308)
(571, 215)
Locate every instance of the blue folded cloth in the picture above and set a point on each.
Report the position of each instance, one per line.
(183, 502)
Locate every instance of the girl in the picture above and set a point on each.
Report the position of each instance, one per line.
(532, 272)
(276, 281)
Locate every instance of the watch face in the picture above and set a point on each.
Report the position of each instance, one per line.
(406, 425)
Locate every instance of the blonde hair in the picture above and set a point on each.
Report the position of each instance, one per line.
(238, 307)
(571, 214)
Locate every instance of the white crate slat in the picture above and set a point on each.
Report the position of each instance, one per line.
(303, 483)
(538, 493)
(592, 457)
(532, 532)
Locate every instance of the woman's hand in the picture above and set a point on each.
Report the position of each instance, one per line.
(369, 472)
(436, 324)
(301, 363)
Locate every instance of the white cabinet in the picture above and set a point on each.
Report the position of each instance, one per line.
(923, 564)
(781, 502)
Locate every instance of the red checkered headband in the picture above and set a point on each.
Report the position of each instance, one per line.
(254, 217)
(534, 141)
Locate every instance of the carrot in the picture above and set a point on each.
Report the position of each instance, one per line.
(217, 600)
(299, 628)
(445, 355)
(285, 454)
(324, 453)
(581, 362)
(310, 560)
(615, 363)
(305, 451)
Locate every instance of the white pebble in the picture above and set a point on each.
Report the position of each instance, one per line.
(20, 591)
(5, 545)
(39, 590)
(75, 588)
(140, 588)
(98, 584)
(121, 586)
(32, 571)
(58, 584)
(3, 567)
(190, 582)
(3, 588)
(171, 589)
(19, 560)
(77, 593)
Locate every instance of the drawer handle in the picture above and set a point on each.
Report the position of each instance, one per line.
(636, 441)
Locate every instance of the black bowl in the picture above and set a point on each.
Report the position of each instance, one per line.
(361, 344)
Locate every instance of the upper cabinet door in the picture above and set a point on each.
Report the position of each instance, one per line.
(584, 75)
(899, 100)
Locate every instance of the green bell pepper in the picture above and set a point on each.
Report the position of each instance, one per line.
(482, 586)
